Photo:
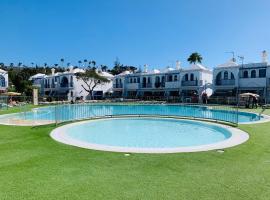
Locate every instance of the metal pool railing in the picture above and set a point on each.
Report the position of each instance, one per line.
(74, 112)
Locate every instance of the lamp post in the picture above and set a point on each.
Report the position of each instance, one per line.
(237, 89)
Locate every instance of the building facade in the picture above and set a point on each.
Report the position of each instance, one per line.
(232, 78)
(188, 84)
(3, 81)
(67, 85)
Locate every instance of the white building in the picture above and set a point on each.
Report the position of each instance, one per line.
(185, 83)
(3, 81)
(231, 78)
(66, 84)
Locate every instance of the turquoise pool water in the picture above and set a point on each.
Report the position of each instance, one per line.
(147, 133)
(83, 111)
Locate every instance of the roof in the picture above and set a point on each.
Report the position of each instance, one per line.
(169, 69)
(124, 73)
(156, 71)
(106, 74)
(2, 71)
(78, 70)
(230, 63)
(39, 75)
(196, 66)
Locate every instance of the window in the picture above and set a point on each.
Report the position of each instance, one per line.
(186, 77)
(175, 78)
(71, 81)
(138, 80)
(157, 79)
(253, 74)
(2, 81)
(170, 78)
(163, 79)
(262, 73)
(131, 80)
(245, 74)
(149, 80)
(64, 82)
(192, 77)
(226, 75)
(135, 80)
(232, 76)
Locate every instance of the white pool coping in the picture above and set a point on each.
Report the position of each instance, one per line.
(237, 137)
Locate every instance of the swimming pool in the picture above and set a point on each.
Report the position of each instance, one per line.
(148, 135)
(69, 112)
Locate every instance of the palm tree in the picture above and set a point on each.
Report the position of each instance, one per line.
(104, 68)
(45, 65)
(11, 65)
(94, 63)
(2, 65)
(68, 64)
(194, 58)
(62, 61)
(85, 61)
(32, 64)
(80, 62)
(55, 65)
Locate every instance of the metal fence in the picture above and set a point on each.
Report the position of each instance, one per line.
(75, 112)
(59, 109)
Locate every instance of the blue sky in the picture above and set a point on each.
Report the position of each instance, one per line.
(138, 32)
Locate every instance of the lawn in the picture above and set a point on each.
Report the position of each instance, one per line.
(33, 166)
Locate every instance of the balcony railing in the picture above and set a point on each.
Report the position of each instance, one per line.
(118, 85)
(225, 82)
(190, 83)
(159, 84)
(146, 85)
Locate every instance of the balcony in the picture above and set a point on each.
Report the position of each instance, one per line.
(190, 83)
(225, 82)
(146, 85)
(159, 84)
(118, 85)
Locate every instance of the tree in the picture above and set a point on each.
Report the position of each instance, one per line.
(85, 62)
(62, 61)
(91, 79)
(104, 68)
(194, 58)
(94, 63)
(2, 65)
(32, 64)
(80, 62)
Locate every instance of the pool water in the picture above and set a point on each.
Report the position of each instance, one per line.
(147, 133)
(83, 111)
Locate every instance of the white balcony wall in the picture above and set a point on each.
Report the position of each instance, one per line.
(175, 84)
(252, 82)
(132, 86)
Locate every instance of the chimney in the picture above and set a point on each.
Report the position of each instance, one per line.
(70, 69)
(145, 68)
(264, 56)
(178, 65)
(53, 71)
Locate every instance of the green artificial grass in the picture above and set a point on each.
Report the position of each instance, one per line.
(33, 166)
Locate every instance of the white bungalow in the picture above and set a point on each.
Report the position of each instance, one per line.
(231, 78)
(66, 85)
(192, 81)
(195, 81)
(3, 81)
